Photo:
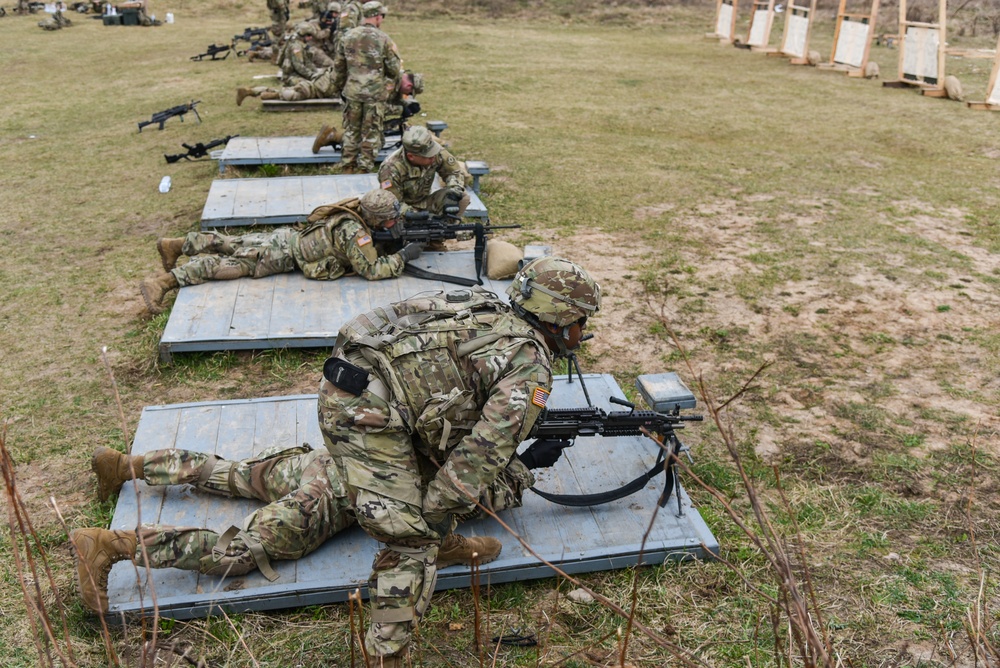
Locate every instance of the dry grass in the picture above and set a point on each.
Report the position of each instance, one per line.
(845, 232)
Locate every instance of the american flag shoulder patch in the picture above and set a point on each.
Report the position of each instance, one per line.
(386, 185)
(364, 240)
(539, 397)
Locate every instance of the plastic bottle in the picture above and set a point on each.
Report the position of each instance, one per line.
(165, 184)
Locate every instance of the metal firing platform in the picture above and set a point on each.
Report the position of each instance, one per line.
(578, 540)
(251, 151)
(289, 199)
(291, 311)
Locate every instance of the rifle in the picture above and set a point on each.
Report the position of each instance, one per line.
(569, 423)
(199, 150)
(425, 227)
(161, 117)
(251, 35)
(213, 50)
(255, 45)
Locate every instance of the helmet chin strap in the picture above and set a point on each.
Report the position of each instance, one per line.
(559, 338)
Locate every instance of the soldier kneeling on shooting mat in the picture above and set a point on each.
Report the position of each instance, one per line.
(409, 171)
(337, 240)
(399, 376)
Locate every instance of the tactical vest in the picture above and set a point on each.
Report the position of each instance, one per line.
(315, 242)
(415, 347)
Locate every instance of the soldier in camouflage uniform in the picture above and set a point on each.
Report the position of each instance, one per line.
(319, 88)
(279, 16)
(294, 60)
(423, 406)
(351, 15)
(367, 67)
(377, 470)
(337, 240)
(409, 171)
(409, 84)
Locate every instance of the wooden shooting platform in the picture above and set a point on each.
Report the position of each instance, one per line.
(318, 104)
(289, 199)
(578, 540)
(291, 311)
(251, 151)
(852, 40)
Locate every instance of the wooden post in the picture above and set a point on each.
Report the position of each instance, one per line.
(795, 37)
(761, 20)
(852, 41)
(916, 40)
(992, 101)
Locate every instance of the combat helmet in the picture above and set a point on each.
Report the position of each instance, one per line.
(418, 82)
(418, 140)
(373, 8)
(305, 28)
(379, 207)
(554, 291)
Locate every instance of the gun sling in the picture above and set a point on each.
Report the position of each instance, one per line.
(599, 498)
(417, 272)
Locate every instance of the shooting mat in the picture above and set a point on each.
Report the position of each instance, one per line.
(245, 151)
(291, 311)
(578, 540)
(289, 199)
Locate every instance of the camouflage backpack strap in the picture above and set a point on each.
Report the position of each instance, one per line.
(350, 205)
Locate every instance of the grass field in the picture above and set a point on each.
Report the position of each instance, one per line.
(845, 234)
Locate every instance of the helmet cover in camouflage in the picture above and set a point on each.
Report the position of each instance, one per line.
(555, 291)
(379, 206)
(418, 140)
(306, 28)
(418, 82)
(373, 8)
(334, 7)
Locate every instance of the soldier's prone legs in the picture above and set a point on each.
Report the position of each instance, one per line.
(213, 268)
(214, 243)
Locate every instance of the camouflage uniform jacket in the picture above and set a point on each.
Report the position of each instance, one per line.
(295, 62)
(469, 379)
(338, 244)
(367, 64)
(412, 184)
(350, 17)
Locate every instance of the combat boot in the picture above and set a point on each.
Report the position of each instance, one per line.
(97, 550)
(155, 289)
(112, 469)
(390, 661)
(241, 94)
(457, 549)
(170, 248)
(328, 136)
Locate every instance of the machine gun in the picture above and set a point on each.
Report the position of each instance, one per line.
(199, 150)
(252, 35)
(566, 424)
(213, 50)
(425, 227)
(162, 117)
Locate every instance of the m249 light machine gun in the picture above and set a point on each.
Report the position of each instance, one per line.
(199, 150)
(425, 227)
(161, 117)
(560, 427)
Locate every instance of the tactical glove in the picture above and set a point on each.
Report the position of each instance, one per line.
(411, 251)
(455, 193)
(544, 452)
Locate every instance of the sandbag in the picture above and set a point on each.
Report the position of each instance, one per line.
(502, 259)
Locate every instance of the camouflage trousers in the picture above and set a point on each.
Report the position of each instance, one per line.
(376, 460)
(319, 88)
(306, 504)
(279, 12)
(363, 124)
(255, 255)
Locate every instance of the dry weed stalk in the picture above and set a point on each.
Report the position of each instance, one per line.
(795, 602)
(23, 539)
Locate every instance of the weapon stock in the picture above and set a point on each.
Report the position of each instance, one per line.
(161, 117)
(199, 150)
